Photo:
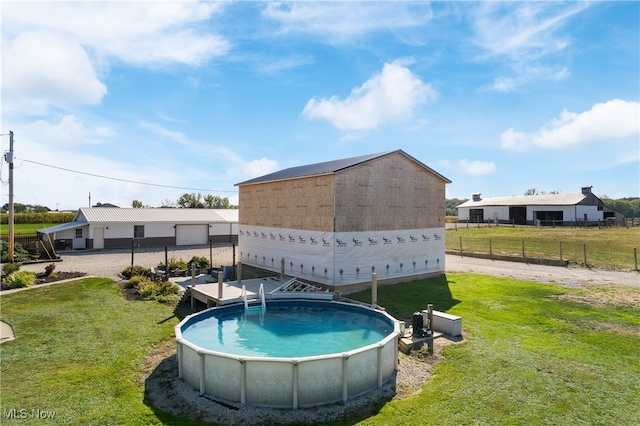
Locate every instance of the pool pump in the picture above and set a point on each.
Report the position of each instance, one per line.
(421, 325)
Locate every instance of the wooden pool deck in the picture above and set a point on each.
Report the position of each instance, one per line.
(205, 289)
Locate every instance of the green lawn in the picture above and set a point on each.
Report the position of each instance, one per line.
(534, 354)
(605, 247)
(24, 228)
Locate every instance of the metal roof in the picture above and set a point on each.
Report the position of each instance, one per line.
(326, 167)
(146, 215)
(61, 227)
(527, 200)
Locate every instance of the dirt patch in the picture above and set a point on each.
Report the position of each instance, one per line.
(617, 296)
(58, 276)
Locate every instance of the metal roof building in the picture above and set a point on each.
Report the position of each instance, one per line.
(534, 209)
(112, 227)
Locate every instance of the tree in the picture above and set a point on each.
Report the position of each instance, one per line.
(451, 204)
(533, 191)
(216, 202)
(137, 204)
(167, 204)
(191, 201)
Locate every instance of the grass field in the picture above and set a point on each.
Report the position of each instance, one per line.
(606, 247)
(24, 228)
(534, 354)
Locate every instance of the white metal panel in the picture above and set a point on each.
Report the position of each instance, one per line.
(192, 234)
(591, 213)
(220, 229)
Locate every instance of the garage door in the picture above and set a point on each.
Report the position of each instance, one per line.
(187, 235)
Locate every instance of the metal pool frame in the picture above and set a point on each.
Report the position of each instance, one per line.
(290, 382)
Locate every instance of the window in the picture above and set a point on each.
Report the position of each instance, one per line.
(138, 231)
(78, 232)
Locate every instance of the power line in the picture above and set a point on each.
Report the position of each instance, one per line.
(124, 180)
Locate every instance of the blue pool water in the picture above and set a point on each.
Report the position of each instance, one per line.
(287, 329)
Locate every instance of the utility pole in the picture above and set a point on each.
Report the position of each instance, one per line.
(8, 156)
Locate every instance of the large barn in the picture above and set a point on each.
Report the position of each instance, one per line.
(336, 222)
(110, 228)
(558, 209)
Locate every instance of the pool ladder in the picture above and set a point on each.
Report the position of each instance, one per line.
(259, 309)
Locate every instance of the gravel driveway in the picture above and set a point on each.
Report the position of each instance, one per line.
(110, 263)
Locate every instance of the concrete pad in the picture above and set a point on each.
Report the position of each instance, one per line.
(6, 332)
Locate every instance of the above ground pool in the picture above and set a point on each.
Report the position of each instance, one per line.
(293, 353)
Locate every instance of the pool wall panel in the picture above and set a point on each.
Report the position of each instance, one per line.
(270, 383)
(319, 380)
(362, 372)
(223, 377)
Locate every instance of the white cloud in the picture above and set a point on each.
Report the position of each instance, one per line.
(40, 69)
(524, 34)
(259, 167)
(475, 168)
(614, 119)
(523, 31)
(389, 96)
(68, 132)
(343, 21)
(471, 168)
(54, 53)
(135, 32)
(166, 133)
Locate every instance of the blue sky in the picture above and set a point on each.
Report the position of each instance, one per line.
(198, 96)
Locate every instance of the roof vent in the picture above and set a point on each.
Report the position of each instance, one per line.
(476, 196)
(586, 190)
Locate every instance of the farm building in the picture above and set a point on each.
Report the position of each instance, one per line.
(558, 209)
(336, 222)
(110, 228)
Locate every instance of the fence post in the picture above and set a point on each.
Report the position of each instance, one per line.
(584, 252)
(523, 247)
(561, 251)
(460, 246)
(490, 250)
(635, 258)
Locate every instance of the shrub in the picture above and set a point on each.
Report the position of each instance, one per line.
(137, 270)
(49, 269)
(161, 291)
(201, 262)
(20, 279)
(10, 268)
(174, 263)
(20, 254)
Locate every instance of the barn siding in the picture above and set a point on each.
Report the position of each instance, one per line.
(305, 203)
(391, 192)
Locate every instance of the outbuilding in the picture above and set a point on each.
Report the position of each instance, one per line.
(337, 222)
(582, 208)
(111, 228)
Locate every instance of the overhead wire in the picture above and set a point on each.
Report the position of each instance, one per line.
(123, 180)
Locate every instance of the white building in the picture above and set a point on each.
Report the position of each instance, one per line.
(111, 228)
(580, 208)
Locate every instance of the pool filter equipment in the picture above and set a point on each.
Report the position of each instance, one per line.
(417, 324)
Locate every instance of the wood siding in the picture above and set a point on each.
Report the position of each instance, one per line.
(303, 203)
(389, 193)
